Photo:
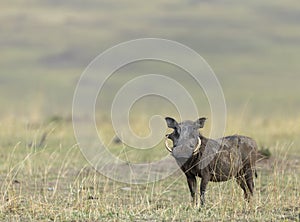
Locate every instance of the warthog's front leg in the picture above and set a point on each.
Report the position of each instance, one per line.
(192, 182)
(204, 182)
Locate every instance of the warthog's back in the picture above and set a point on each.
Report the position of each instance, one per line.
(233, 154)
(246, 145)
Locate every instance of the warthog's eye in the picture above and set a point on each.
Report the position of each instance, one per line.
(174, 135)
(177, 130)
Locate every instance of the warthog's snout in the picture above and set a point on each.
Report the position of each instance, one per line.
(185, 150)
(182, 152)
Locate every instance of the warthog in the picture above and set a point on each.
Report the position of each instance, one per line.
(211, 160)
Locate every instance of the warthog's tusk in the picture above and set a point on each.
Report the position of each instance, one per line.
(197, 147)
(167, 146)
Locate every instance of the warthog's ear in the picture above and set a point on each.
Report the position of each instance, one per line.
(171, 122)
(200, 122)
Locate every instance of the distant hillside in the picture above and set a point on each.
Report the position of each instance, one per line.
(252, 46)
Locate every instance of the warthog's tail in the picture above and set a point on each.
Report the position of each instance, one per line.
(255, 174)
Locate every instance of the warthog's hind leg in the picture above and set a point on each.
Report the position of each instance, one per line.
(249, 180)
(243, 184)
(245, 180)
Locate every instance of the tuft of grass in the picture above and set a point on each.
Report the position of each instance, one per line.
(264, 153)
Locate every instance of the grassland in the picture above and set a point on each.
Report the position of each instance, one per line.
(253, 47)
(53, 182)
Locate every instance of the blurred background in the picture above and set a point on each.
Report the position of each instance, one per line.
(45, 45)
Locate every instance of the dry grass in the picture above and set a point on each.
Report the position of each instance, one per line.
(54, 183)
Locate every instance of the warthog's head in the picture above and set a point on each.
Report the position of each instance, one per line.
(185, 137)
